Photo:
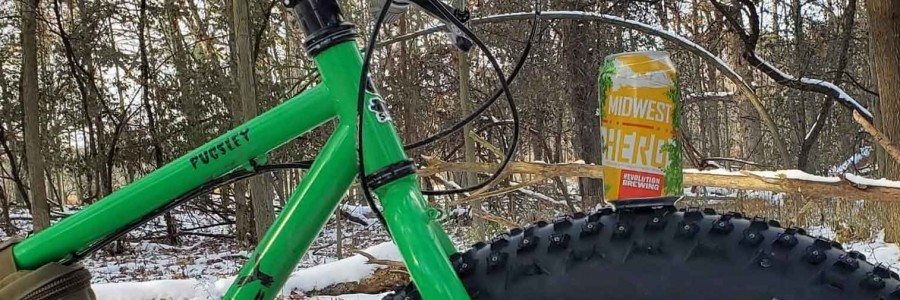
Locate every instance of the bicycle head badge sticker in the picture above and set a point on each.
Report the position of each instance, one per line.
(377, 106)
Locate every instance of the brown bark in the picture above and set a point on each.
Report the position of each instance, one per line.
(751, 39)
(171, 227)
(890, 148)
(824, 190)
(83, 81)
(244, 225)
(40, 210)
(848, 19)
(260, 200)
(580, 73)
(884, 26)
(465, 105)
(381, 280)
(8, 227)
(742, 85)
(744, 129)
(15, 171)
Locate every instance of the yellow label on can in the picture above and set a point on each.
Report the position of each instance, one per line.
(639, 116)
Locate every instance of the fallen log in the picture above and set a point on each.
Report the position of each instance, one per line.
(381, 280)
(372, 271)
(788, 181)
(386, 274)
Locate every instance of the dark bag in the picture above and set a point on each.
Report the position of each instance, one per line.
(52, 281)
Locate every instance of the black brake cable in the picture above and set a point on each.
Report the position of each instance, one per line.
(360, 105)
(511, 151)
(520, 62)
(244, 174)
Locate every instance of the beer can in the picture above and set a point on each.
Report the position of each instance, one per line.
(640, 108)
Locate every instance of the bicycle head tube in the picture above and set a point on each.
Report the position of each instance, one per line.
(322, 22)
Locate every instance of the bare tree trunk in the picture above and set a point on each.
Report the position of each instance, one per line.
(8, 227)
(581, 91)
(243, 216)
(280, 186)
(745, 132)
(83, 55)
(171, 227)
(87, 95)
(40, 210)
(263, 212)
(54, 191)
(809, 141)
(465, 105)
(884, 26)
(799, 64)
(339, 234)
(15, 171)
(412, 129)
(712, 118)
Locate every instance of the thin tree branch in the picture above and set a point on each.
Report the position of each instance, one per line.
(266, 17)
(849, 18)
(882, 140)
(780, 77)
(692, 47)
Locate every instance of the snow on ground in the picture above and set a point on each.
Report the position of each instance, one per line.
(355, 268)
(200, 257)
(718, 192)
(859, 180)
(876, 250)
(158, 289)
(709, 94)
(851, 162)
(350, 269)
(205, 258)
(800, 175)
(202, 267)
(361, 212)
(351, 297)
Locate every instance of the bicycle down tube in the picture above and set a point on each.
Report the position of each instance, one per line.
(423, 244)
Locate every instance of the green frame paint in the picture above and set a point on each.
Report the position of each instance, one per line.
(423, 244)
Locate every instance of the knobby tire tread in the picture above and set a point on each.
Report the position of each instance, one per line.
(665, 254)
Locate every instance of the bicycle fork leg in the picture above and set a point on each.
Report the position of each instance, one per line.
(424, 245)
(301, 220)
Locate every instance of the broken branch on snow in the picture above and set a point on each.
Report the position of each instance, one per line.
(878, 136)
(790, 181)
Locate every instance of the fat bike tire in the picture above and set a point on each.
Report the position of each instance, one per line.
(664, 253)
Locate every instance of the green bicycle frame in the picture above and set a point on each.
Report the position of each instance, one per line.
(423, 244)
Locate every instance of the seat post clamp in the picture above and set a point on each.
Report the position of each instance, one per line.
(391, 173)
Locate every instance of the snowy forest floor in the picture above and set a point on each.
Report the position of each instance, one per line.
(206, 260)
